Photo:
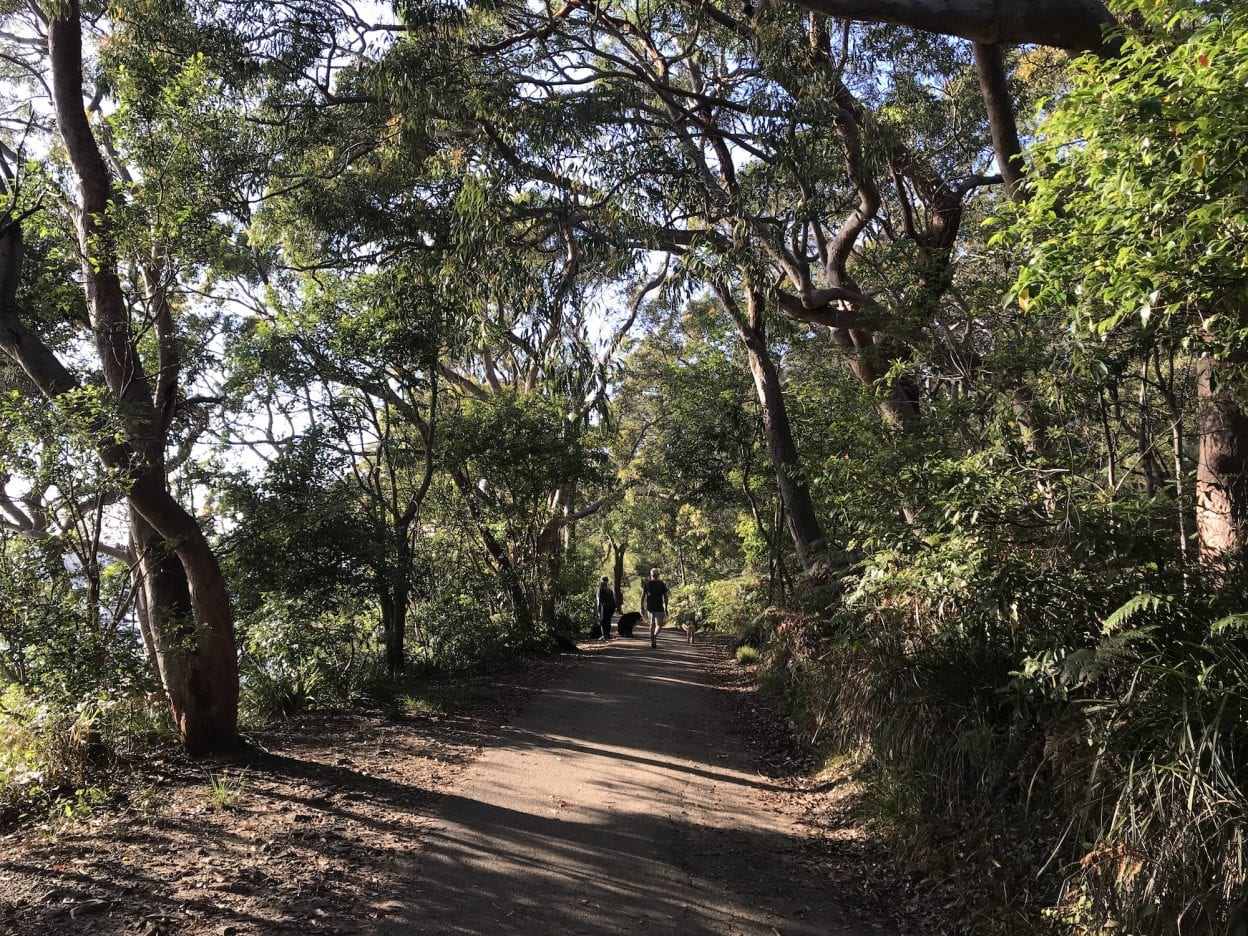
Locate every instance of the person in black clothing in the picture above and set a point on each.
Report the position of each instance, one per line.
(605, 607)
(654, 602)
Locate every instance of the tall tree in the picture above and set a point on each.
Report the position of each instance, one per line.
(185, 598)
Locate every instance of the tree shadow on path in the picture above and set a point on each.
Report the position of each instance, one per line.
(617, 802)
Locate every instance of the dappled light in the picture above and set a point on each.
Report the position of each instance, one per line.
(377, 378)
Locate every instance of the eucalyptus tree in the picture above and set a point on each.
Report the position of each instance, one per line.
(775, 183)
(134, 140)
(688, 429)
(1124, 56)
(124, 215)
(354, 361)
(532, 391)
(443, 161)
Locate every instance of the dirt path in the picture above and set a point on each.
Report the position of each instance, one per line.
(614, 800)
(617, 803)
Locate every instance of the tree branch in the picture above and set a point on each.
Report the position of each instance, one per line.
(1066, 24)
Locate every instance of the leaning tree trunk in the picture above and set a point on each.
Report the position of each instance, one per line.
(1221, 467)
(799, 506)
(200, 668)
(995, 90)
(1066, 24)
(201, 687)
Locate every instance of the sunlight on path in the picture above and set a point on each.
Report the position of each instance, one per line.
(616, 803)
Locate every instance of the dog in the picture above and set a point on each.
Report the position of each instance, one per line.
(627, 622)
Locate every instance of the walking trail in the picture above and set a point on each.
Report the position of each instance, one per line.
(617, 802)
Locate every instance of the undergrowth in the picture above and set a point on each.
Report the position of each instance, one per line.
(1072, 749)
(61, 762)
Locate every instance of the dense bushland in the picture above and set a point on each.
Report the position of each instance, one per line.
(341, 352)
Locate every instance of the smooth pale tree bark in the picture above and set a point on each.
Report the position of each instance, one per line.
(799, 507)
(1066, 24)
(993, 86)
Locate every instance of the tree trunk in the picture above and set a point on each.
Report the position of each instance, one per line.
(1221, 468)
(200, 668)
(395, 590)
(617, 571)
(145, 626)
(393, 599)
(1174, 408)
(550, 549)
(498, 555)
(899, 407)
(995, 89)
(198, 672)
(799, 507)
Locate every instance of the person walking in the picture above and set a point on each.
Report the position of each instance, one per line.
(654, 593)
(604, 608)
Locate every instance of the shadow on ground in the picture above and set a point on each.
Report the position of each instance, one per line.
(615, 802)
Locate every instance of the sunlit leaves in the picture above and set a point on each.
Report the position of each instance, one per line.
(1140, 193)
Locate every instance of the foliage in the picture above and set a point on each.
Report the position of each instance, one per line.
(449, 318)
(296, 656)
(1140, 161)
(727, 606)
(56, 761)
(747, 656)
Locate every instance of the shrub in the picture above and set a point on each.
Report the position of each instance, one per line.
(294, 661)
(1000, 695)
(731, 605)
(49, 754)
(1162, 796)
(461, 633)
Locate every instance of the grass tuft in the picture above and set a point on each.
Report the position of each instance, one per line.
(420, 705)
(224, 789)
(747, 655)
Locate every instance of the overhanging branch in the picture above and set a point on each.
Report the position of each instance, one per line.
(1065, 24)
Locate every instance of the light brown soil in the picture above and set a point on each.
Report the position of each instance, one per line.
(624, 796)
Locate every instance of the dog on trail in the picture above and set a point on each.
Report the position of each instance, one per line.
(627, 622)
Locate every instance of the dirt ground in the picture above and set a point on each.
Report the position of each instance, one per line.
(625, 790)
